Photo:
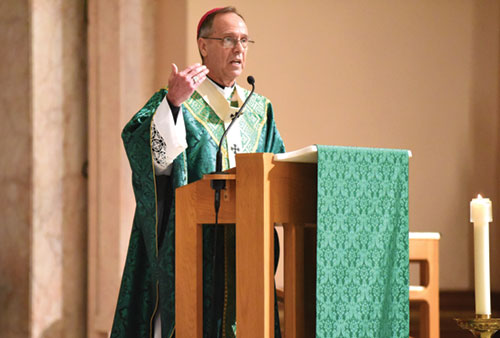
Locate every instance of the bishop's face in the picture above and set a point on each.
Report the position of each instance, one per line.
(225, 64)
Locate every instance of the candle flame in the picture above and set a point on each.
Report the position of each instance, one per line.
(479, 196)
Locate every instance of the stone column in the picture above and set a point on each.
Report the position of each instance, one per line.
(59, 133)
(121, 73)
(43, 201)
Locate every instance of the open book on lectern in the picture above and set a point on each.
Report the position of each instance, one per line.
(307, 154)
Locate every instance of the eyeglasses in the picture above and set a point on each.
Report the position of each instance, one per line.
(230, 42)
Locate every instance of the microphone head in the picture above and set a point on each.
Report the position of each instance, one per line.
(251, 80)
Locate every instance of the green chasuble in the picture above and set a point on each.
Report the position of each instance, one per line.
(362, 287)
(148, 279)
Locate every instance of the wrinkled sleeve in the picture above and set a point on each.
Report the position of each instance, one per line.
(141, 121)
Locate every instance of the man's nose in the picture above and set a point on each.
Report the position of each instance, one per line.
(239, 46)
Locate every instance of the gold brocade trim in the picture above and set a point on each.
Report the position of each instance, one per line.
(216, 100)
(223, 149)
(172, 333)
(156, 228)
(261, 126)
(184, 157)
(154, 182)
(225, 284)
(225, 155)
(202, 123)
(154, 312)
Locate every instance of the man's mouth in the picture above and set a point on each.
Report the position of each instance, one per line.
(236, 62)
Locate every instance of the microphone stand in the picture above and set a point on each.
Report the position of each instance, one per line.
(218, 185)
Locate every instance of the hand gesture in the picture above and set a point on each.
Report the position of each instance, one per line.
(182, 84)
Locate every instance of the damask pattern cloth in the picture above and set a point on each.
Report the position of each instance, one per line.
(362, 287)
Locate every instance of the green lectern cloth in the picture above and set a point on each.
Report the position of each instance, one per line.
(362, 287)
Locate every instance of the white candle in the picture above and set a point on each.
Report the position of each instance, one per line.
(481, 215)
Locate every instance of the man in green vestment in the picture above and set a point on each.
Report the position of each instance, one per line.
(170, 142)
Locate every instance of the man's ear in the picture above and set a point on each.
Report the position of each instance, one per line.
(202, 46)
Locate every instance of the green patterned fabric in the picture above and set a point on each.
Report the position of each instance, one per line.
(362, 287)
(148, 282)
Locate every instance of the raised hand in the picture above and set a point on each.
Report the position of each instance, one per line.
(182, 84)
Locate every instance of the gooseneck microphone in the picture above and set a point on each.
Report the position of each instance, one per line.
(218, 160)
(218, 185)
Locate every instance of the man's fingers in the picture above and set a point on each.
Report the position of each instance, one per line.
(202, 74)
(198, 70)
(200, 77)
(188, 75)
(182, 84)
(175, 70)
(196, 74)
(189, 69)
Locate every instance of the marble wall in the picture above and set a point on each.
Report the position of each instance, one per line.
(43, 249)
(15, 168)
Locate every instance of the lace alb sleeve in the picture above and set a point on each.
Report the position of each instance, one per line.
(162, 167)
(168, 139)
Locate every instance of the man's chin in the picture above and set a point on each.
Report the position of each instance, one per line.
(234, 73)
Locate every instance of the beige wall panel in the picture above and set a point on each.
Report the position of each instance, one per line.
(104, 165)
(420, 75)
(171, 41)
(103, 282)
(121, 79)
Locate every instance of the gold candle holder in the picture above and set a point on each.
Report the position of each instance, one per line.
(482, 326)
